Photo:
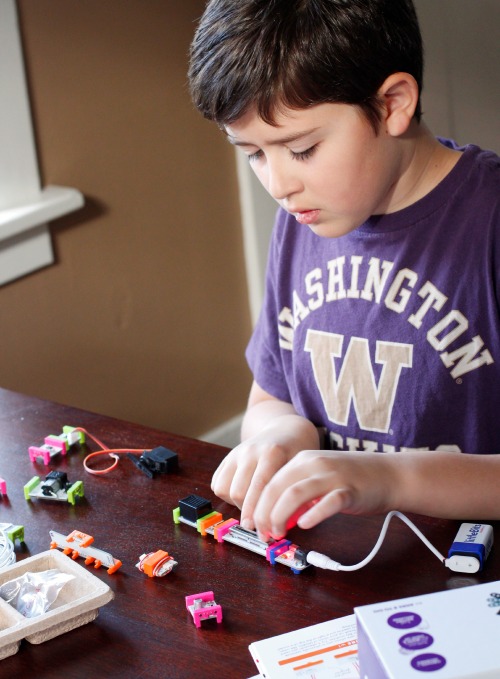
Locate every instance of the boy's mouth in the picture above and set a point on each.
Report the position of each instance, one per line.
(306, 216)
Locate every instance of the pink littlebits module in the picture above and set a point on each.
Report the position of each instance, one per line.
(292, 521)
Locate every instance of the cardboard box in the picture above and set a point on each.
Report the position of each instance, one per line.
(453, 634)
(78, 602)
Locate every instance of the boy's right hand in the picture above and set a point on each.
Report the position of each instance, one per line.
(245, 471)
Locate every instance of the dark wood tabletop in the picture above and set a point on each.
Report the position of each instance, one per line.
(146, 630)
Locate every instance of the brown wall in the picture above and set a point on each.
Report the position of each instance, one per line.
(145, 315)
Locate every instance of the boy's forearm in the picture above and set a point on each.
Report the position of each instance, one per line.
(446, 484)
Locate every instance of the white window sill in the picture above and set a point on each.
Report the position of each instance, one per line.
(53, 202)
(25, 241)
(25, 209)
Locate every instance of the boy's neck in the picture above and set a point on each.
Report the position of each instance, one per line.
(425, 163)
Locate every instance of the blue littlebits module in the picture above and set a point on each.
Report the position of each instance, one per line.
(472, 542)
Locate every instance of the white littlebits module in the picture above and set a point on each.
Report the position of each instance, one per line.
(470, 548)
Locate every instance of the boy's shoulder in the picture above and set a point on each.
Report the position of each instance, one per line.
(474, 155)
(481, 176)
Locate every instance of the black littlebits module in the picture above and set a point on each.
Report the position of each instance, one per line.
(193, 507)
(157, 461)
(54, 481)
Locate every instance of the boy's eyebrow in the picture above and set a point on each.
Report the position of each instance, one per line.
(275, 142)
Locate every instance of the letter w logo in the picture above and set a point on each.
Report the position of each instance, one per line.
(356, 382)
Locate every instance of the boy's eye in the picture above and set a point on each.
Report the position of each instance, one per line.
(303, 155)
(296, 155)
(254, 156)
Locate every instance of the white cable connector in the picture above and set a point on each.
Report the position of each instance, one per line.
(323, 561)
(456, 563)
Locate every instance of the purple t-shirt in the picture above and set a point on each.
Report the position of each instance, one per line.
(389, 336)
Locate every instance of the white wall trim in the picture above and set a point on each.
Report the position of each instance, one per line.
(258, 211)
(24, 207)
(226, 434)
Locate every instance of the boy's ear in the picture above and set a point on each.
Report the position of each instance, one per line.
(399, 94)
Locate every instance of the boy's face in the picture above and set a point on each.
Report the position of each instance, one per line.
(325, 165)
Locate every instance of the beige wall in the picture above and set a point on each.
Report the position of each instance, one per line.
(461, 97)
(145, 314)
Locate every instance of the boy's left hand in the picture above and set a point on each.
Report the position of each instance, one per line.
(351, 483)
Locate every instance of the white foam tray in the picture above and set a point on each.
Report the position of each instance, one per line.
(78, 602)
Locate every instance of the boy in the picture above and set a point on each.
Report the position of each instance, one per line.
(379, 334)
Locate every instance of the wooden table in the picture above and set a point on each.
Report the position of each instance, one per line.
(146, 630)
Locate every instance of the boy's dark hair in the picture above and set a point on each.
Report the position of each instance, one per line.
(298, 53)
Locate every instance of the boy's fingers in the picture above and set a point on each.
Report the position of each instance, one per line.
(222, 481)
(333, 503)
(247, 511)
(251, 499)
(263, 474)
(262, 512)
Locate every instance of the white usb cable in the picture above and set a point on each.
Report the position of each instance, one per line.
(458, 563)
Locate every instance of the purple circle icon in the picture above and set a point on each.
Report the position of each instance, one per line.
(416, 641)
(428, 662)
(404, 620)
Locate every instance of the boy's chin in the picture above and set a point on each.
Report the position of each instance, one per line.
(332, 229)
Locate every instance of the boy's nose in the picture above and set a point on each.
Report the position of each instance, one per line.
(281, 182)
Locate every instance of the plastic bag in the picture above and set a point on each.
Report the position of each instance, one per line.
(33, 593)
